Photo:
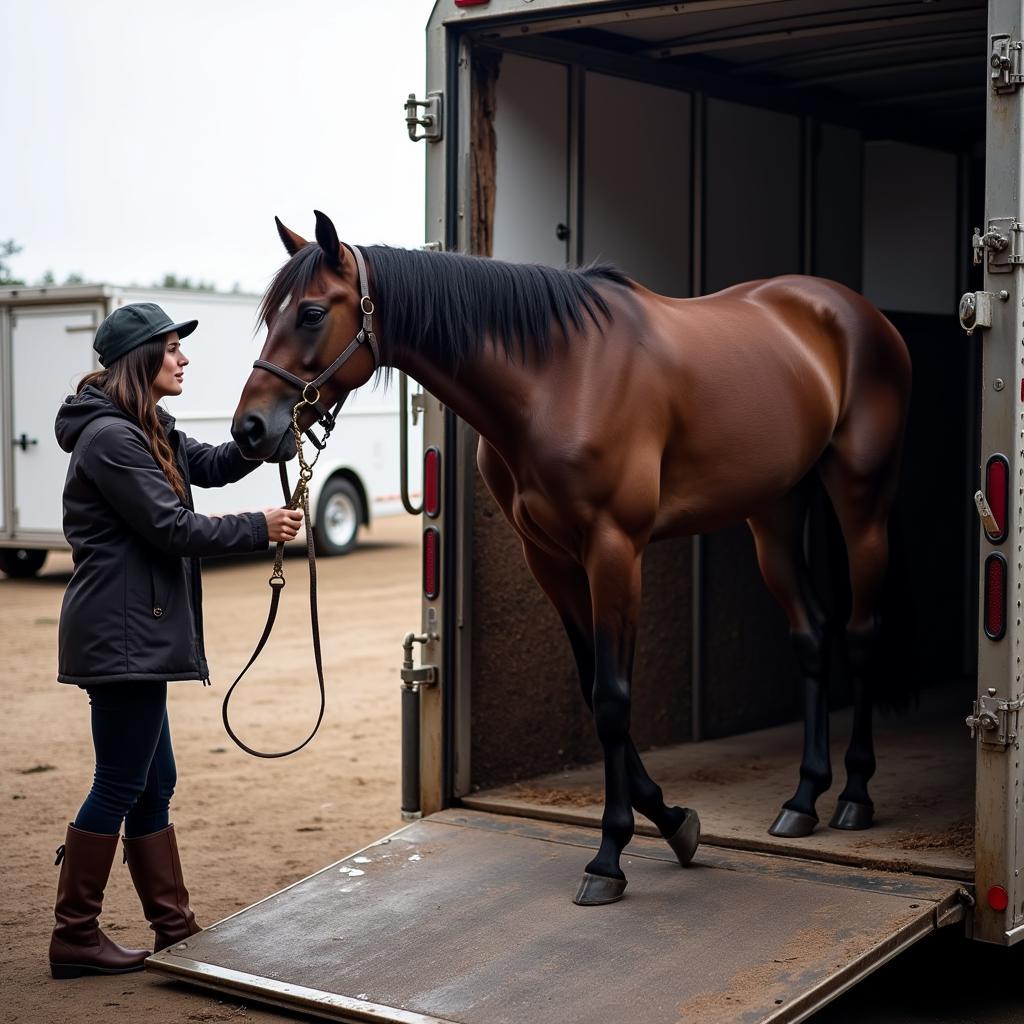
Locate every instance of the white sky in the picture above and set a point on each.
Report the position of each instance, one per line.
(139, 138)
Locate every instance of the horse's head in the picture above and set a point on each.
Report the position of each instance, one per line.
(314, 309)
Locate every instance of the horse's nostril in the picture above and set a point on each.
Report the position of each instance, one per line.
(253, 428)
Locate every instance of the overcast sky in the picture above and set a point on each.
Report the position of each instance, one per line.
(140, 138)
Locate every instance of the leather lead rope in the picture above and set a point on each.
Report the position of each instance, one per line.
(327, 419)
(276, 583)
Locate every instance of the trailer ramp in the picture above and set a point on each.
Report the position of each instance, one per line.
(467, 917)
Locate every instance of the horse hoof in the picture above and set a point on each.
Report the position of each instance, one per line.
(793, 824)
(851, 816)
(596, 890)
(685, 840)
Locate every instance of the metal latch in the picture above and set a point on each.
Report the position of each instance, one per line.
(413, 678)
(1002, 241)
(988, 520)
(975, 311)
(1006, 64)
(431, 121)
(413, 681)
(994, 719)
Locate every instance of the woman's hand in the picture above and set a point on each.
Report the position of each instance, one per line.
(282, 523)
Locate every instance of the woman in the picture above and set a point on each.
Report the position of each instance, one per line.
(132, 620)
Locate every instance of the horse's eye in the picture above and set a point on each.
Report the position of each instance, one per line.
(312, 316)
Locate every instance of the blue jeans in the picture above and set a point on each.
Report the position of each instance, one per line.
(135, 773)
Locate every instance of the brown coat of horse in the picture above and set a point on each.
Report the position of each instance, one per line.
(650, 418)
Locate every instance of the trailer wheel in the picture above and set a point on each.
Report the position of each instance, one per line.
(338, 515)
(19, 563)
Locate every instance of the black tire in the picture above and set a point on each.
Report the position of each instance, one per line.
(20, 563)
(339, 514)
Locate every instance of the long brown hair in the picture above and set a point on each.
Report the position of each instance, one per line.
(128, 383)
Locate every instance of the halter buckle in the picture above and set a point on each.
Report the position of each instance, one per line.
(364, 302)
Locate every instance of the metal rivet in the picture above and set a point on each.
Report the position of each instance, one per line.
(998, 384)
(157, 612)
(1004, 295)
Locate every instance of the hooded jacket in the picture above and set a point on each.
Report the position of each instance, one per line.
(133, 608)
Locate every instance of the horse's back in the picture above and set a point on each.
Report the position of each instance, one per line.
(770, 375)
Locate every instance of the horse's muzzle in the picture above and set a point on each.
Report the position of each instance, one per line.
(263, 440)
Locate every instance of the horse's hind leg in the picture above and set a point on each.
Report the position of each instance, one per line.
(862, 497)
(778, 536)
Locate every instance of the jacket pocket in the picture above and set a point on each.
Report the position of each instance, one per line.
(161, 587)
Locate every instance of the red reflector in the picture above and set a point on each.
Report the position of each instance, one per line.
(997, 492)
(432, 482)
(995, 596)
(998, 898)
(471, 3)
(431, 563)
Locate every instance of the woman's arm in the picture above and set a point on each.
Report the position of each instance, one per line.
(216, 465)
(119, 462)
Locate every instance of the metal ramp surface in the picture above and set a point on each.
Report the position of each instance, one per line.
(467, 917)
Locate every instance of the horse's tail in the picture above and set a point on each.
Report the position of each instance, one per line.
(896, 677)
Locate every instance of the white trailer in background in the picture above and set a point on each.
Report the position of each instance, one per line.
(46, 336)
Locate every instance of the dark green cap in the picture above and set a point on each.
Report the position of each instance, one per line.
(130, 326)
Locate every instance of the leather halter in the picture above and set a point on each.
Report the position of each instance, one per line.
(311, 388)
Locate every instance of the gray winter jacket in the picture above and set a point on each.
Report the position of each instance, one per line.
(133, 609)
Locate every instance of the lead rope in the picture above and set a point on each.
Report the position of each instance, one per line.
(276, 581)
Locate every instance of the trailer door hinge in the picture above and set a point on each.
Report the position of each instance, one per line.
(431, 122)
(1006, 64)
(995, 720)
(1002, 241)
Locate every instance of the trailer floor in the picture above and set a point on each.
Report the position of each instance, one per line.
(468, 917)
(923, 791)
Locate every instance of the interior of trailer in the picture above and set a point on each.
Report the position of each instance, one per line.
(698, 149)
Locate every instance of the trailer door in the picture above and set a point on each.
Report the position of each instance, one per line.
(51, 347)
(466, 916)
(995, 721)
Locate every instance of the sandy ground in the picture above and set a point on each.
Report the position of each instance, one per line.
(245, 827)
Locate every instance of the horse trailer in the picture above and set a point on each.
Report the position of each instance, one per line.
(699, 144)
(46, 347)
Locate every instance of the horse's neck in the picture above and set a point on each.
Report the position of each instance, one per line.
(491, 393)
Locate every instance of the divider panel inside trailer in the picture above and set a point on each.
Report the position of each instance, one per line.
(468, 917)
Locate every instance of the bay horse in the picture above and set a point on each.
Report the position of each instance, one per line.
(609, 417)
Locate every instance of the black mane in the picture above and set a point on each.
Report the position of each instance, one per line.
(446, 304)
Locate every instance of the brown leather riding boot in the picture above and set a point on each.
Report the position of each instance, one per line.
(156, 871)
(78, 946)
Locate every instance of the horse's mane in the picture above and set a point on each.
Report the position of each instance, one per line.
(446, 304)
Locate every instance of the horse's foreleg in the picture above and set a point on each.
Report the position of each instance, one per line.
(679, 826)
(778, 536)
(565, 583)
(612, 564)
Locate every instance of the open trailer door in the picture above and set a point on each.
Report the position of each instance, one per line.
(466, 916)
(994, 316)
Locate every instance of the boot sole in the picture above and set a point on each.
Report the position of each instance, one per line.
(61, 972)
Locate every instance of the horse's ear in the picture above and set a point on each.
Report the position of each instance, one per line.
(292, 242)
(327, 237)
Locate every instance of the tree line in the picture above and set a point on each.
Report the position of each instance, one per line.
(10, 249)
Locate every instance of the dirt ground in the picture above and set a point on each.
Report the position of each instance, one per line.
(245, 827)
